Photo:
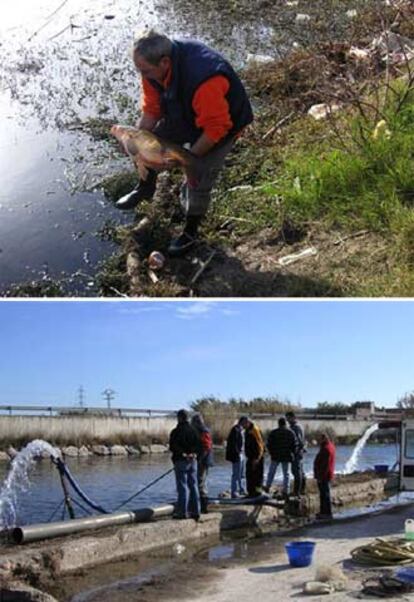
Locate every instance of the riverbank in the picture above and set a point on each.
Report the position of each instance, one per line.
(283, 222)
(45, 564)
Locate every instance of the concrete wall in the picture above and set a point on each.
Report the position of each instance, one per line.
(77, 428)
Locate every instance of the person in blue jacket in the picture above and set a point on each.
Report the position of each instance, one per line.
(235, 453)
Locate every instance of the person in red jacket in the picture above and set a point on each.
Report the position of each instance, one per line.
(204, 458)
(323, 471)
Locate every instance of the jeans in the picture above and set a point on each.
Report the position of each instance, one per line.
(325, 498)
(237, 475)
(299, 483)
(188, 503)
(202, 485)
(272, 471)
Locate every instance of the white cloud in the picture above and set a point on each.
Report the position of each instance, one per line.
(138, 307)
(194, 309)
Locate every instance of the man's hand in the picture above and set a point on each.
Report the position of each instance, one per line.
(170, 162)
(202, 146)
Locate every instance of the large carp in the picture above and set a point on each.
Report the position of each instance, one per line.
(150, 151)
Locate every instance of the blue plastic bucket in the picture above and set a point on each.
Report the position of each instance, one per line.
(381, 468)
(300, 552)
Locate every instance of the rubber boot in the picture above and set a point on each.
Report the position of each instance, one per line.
(186, 240)
(204, 505)
(143, 191)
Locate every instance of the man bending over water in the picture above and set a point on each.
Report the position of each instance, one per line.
(190, 95)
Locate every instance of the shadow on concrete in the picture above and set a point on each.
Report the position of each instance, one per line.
(270, 569)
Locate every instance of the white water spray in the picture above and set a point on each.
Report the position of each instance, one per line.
(17, 480)
(352, 463)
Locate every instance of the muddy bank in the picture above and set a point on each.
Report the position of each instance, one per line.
(41, 564)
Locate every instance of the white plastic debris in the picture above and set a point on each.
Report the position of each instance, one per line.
(351, 14)
(241, 188)
(302, 18)
(358, 53)
(288, 259)
(321, 111)
(381, 130)
(389, 42)
(90, 60)
(258, 59)
(317, 587)
(178, 549)
(292, 2)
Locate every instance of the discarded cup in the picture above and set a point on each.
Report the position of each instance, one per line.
(156, 260)
(409, 528)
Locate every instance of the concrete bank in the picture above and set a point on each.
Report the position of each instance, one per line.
(60, 556)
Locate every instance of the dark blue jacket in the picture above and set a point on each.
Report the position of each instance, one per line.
(235, 444)
(184, 440)
(282, 444)
(192, 64)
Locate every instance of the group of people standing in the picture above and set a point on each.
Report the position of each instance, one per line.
(191, 446)
(246, 450)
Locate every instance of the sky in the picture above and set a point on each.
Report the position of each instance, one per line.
(166, 354)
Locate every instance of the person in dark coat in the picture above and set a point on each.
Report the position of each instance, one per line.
(185, 447)
(324, 470)
(281, 445)
(298, 472)
(204, 458)
(190, 95)
(235, 454)
(254, 448)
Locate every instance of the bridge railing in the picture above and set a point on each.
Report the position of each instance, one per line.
(55, 410)
(37, 410)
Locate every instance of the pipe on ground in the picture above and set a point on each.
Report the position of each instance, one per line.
(48, 530)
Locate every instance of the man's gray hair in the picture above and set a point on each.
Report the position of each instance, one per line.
(152, 46)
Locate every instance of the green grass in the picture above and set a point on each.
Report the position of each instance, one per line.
(368, 184)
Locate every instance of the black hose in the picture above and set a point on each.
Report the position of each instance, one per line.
(64, 470)
(144, 488)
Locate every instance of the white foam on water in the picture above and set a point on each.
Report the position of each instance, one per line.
(352, 463)
(17, 480)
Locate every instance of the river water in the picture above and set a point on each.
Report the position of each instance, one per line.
(110, 481)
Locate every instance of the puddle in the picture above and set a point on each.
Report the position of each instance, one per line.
(120, 587)
(157, 574)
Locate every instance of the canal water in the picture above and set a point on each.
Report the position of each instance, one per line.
(111, 481)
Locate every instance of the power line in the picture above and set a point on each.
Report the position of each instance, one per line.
(109, 395)
(81, 395)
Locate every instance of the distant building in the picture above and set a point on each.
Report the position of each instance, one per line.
(364, 409)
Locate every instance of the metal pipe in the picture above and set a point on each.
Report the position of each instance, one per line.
(49, 530)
